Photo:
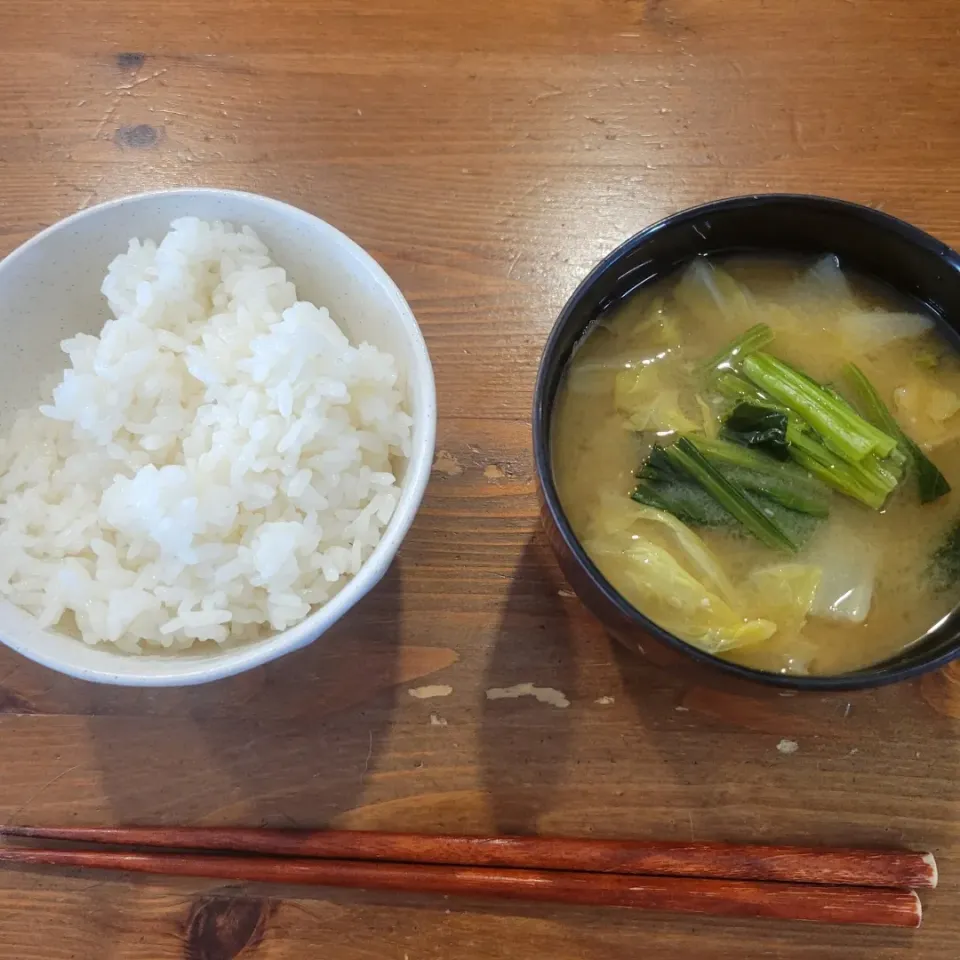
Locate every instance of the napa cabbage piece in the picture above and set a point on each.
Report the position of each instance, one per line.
(652, 327)
(655, 583)
(826, 281)
(648, 400)
(825, 287)
(927, 410)
(849, 569)
(805, 315)
(652, 338)
(618, 516)
(597, 377)
(705, 289)
(785, 593)
(661, 327)
(712, 421)
(823, 294)
(688, 594)
(872, 329)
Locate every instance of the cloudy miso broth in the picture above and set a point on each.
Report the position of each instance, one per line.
(753, 500)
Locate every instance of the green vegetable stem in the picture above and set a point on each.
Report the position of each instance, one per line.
(931, 483)
(756, 338)
(841, 428)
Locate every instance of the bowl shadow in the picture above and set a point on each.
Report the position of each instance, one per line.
(287, 744)
(524, 743)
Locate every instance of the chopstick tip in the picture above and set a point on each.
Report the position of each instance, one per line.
(9, 830)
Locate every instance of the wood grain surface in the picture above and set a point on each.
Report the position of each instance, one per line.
(487, 154)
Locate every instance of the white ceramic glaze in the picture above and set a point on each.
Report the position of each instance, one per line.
(50, 289)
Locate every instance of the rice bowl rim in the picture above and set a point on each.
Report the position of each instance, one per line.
(196, 668)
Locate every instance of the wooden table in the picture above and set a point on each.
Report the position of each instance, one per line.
(488, 154)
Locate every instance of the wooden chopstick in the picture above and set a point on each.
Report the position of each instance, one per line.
(726, 898)
(902, 869)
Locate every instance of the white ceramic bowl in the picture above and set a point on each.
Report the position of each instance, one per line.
(50, 289)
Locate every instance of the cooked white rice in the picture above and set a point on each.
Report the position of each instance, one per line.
(216, 462)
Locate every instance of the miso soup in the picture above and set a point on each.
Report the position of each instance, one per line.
(758, 454)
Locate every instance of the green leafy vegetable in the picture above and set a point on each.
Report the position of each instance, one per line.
(931, 483)
(869, 479)
(736, 388)
(684, 500)
(756, 338)
(839, 426)
(799, 527)
(754, 472)
(854, 480)
(685, 456)
(784, 496)
(690, 503)
(759, 427)
(663, 486)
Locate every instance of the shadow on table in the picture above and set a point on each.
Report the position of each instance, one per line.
(524, 744)
(287, 744)
(768, 766)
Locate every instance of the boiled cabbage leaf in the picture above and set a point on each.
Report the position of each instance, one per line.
(627, 516)
(872, 329)
(704, 290)
(644, 396)
(642, 336)
(825, 281)
(927, 410)
(654, 582)
(785, 593)
(640, 323)
(711, 419)
(849, 565)
(690, 596)
(659, 327)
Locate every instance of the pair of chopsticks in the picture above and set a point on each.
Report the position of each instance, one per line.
(790, 883)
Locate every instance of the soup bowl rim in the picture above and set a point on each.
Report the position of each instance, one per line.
(874, 675)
